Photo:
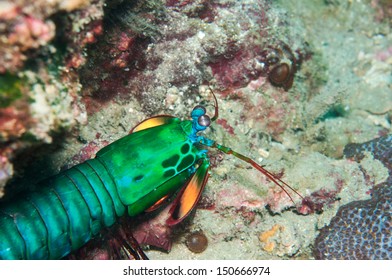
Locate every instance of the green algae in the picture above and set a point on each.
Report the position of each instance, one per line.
(10, 89)
(335, 111)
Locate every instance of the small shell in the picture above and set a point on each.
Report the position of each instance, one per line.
(279, 74)
(196, 242)
(281, 66)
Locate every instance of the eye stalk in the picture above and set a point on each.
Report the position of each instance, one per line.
(200, 120)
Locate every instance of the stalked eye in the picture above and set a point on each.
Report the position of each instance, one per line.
(204, 120)
(198, 111)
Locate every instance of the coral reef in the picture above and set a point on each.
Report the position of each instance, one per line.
(142, 48)
(362, 229)
(26, 26)
(39, 90)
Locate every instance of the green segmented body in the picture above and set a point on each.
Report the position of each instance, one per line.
(130, 174)
(133, 174)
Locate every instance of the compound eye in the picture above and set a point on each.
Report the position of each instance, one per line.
(204, 120)
(199, 107)
(198, 111)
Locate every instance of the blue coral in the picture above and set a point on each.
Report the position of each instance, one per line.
(380, 148)
(362, 229)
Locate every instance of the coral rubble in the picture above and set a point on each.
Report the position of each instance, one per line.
(39, 89)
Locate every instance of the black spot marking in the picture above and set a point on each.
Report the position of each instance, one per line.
(169, 173)
(186, 162)
(185, 148)
(138, 178)
(170, 162)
